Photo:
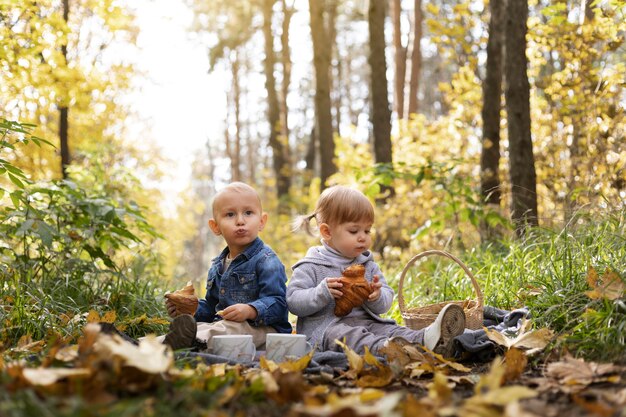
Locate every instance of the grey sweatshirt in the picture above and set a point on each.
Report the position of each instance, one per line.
(309, 298)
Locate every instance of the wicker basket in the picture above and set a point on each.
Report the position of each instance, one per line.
(420, 317)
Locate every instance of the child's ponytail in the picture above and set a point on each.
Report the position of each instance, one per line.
(303, 223)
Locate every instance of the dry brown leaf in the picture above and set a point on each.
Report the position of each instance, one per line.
(492, 380)
(535, 340)
(290, 387)
(355, 361)
(595, 407)
(515, 362)
(150, 356)
(412, 407)
(376, 378)
(573, 371)
(609, 286)
(67, 353)
(50, 376)
(440, 390)
(26, 344)
(491, 396)
(516, 410)
(350, 405)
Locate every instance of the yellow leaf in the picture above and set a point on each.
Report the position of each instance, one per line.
(93, 317)
(440, 390)
(299, 364)
(109, 317)
(610, 286)
(505, 395)
(379, 378)
(355, 361)
(493, 379)
(370, 359)
(267, 364)
(514, 362)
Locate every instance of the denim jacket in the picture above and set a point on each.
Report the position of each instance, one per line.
(255, 277)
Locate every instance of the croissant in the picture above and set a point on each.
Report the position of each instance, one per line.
(184, 299)
(355, 290)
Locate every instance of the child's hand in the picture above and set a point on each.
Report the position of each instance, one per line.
(333, 284)
(171, 308)
(375, 285)
(239, 313)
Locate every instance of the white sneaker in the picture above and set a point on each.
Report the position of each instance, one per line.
(439, 336)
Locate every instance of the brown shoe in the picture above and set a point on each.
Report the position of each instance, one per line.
(182, 332)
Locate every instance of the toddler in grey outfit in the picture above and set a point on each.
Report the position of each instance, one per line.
(345, 217)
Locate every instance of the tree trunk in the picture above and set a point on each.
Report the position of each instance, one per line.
(381, 115)
(286, 81)
(335, 74)
(492, 95)
(517, 92)
(64, 109)
(400, 54)
(416, 59)
(279, 162)
(321, 62)
(236, 162)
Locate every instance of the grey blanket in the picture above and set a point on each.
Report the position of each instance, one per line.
(472, 345)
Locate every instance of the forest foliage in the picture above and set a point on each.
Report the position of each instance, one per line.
(93, 236)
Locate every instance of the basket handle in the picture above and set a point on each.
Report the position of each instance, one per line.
(479, 293)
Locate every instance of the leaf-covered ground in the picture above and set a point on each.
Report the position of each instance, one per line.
(105, 375)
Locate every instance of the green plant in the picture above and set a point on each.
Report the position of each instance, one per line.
(66, 251)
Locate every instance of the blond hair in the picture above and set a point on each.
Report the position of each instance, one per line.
(236, 187)
(337, 205)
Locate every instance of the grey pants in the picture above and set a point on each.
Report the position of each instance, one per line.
(361, 331)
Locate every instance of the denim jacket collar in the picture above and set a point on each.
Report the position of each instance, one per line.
(255, 246)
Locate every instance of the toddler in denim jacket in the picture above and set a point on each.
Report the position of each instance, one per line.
(246, 285)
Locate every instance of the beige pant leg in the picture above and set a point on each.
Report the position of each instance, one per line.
(206, 331)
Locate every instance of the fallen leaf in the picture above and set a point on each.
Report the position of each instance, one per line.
(376, 378)
(350, 405)
(109, 317)
(492, 380)
(440, 390)
(573, 371)
(355, 361)
(515, 362)
(50, 376)
(515, 410)
(93, 316)
(535, 340)
(609, 286)
(150, 356)
(67, 353)
(595, 407)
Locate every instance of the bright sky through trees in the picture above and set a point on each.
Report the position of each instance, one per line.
(182, 102)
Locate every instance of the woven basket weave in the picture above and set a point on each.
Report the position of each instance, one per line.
(419, 317)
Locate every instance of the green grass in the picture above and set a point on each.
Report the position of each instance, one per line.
(546, 272)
